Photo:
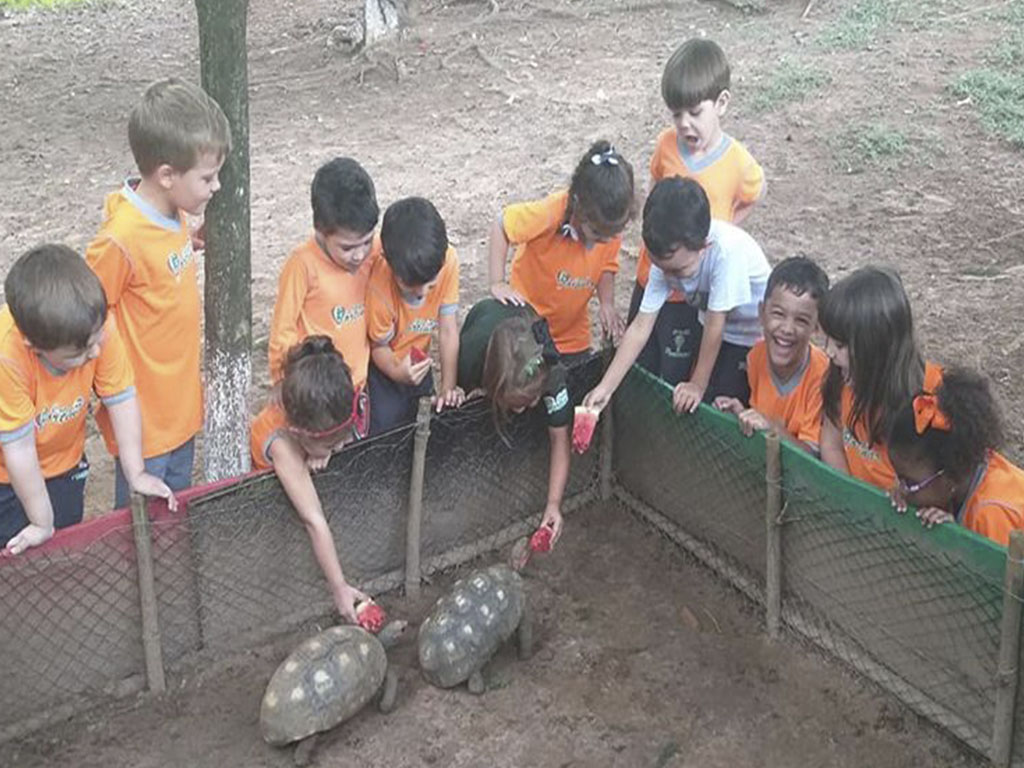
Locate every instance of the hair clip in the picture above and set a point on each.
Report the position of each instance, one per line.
(542, 335)
(927, 414)
(532, 366)
(608, 157)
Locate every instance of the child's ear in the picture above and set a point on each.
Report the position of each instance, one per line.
(722, 102)
(165, 175)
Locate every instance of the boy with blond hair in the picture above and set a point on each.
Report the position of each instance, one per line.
(144, 258)
(695, 88)
(57, 346)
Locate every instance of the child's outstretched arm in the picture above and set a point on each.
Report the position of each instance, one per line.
(633, 341)
(688, 394)
(127, 424)
(22, 463)
(832, 452)
(558, 476)
(404, 371)
(497, 253)
(290, 468)
(612, 324)
(451, 395)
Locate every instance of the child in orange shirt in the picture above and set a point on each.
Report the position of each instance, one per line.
(322, 288)
(413, 290)
(57, 346)
(144, 257)
(943, 448)
(314, 411)
(875, 369)
(695, 88)
(785, 370)
(568, 248)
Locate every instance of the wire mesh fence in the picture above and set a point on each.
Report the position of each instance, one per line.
(918, 611)
(234, 567)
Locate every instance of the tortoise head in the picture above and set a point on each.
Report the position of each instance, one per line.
(392, 632)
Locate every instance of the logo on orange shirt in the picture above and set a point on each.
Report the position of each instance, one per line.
(178, 262)
(422, 325)
(342, 315)
(565, 280)
(866, 451)
(60, 414)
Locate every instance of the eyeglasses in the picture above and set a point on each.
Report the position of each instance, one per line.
(909, 489)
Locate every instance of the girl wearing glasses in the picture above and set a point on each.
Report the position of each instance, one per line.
(875, 367)
(943, 448)
(314, 411)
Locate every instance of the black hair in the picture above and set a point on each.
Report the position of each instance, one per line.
(697, 71)
(975, 426)
(316, 390)
(414, 240)
(55, 299)
(601, 190)
(798, 275)
(869, 312)
(677, 213)
(343, 197)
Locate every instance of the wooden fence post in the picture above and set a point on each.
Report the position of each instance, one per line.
(1008, 674)
(147, 595)
(415, 519)
(773, 529)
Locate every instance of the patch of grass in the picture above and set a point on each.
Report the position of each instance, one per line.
(788, 83)
(859, 24)
(21, 5)
(870, 145)
(998, 96)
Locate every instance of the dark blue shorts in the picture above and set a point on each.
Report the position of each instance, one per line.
(67, 496)
(393, 404)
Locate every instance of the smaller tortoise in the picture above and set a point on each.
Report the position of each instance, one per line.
(468, 624)
(326, 680)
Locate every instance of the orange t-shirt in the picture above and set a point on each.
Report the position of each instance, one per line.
(795, 403)
(729, 175)
(996, 504)
(871, 462)
(553, 271)
(148, 270)
(35, 397)
(316, 296)
(392, 321)
(266, 428)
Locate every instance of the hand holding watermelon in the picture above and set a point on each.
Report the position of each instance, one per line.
(583, 425)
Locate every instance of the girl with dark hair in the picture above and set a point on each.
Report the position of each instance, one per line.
(943, 448)
(314, 411)
(507, 353)
(567, 248)
(875, 368)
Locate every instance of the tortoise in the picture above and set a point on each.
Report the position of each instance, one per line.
(326, 680)
(469, 623)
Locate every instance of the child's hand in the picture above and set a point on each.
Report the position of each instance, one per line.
(148, 485)
(29, 536)
(751, 421)
(345, 601)
(931, 516)
(453, 398)
(728, 404)
(198, 236)
(553, 520)
(897, 499)
(316, 463)
(686, 397)
(597, 398)
(612, 324)
(504, 293)
(414, 373)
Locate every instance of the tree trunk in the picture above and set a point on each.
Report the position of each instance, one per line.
(227, 297)
(380, 19)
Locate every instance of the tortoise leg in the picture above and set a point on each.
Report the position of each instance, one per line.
(524, 634)
(520, 554)
(476, 683)
(388, 691)
(304, 751)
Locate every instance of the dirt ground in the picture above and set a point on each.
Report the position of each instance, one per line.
(869, 156)
(642, 659)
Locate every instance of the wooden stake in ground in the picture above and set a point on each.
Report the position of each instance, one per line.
(227, 298)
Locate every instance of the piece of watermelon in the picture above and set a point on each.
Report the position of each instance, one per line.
(417, 355)
(370, 616)
(541, 539)
(583, 425)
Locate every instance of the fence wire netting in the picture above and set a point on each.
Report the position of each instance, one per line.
(233, 567)
(918, 611)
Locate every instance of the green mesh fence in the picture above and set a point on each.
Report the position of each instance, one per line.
(916, 610)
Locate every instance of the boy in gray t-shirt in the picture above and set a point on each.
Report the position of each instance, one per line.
(723, 272)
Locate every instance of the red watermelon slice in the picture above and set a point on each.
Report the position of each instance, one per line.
(370, 616)
(583, 425)
(417, 355)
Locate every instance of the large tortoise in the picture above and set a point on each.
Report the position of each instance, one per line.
(468, 624)
(326, 680)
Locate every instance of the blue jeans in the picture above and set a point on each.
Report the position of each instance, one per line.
(392, 404)
(67, 497)
(173, 467)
